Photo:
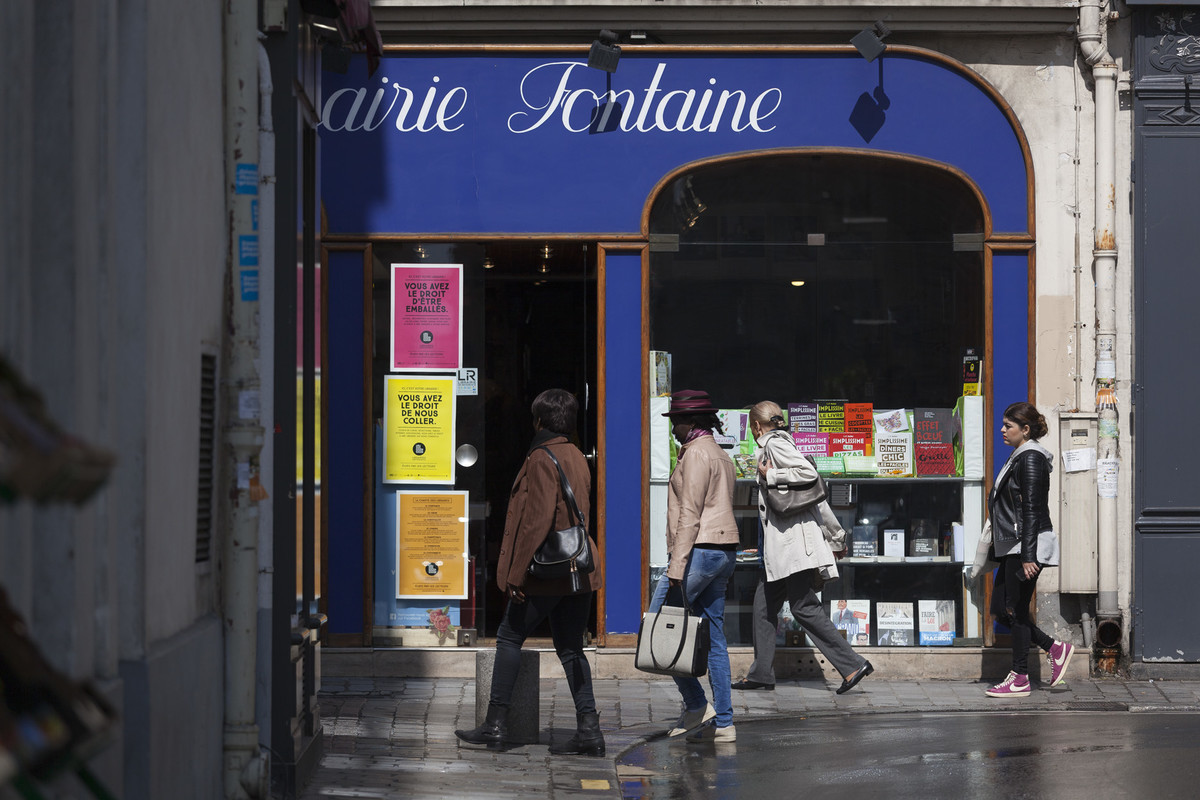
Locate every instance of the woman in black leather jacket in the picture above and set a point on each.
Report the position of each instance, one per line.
(1024, 541)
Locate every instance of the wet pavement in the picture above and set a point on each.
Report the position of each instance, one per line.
(1046, 754)
(1095, 738)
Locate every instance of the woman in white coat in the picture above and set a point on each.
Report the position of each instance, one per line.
(798, 549)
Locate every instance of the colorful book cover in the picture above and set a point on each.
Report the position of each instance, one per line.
(853, 617)
(802, 417)
(894, 454)
(935, 622)
(736, 423)
(895, 624)
(830, 465)
(860, 418)
(861, 466)
(972, 372)
(893, 420)
(812, 444)
(934, 433)
(864, 541)
(831, 416)
(856, 443)
(745, 465)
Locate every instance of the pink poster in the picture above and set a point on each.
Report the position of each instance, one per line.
(426, 317)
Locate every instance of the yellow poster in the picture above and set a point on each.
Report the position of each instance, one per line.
(418, 425)
(431, 544)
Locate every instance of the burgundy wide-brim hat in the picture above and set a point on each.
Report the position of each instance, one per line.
(690, 401)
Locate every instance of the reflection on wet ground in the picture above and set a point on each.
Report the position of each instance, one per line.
(1059, 755)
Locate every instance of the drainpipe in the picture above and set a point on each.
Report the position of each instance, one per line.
(266, 322)
(1092, 44)
(245, 769)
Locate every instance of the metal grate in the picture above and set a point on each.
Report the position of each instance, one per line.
(208, 443)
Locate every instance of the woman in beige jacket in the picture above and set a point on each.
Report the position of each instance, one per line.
(798, 549)
(702, 541)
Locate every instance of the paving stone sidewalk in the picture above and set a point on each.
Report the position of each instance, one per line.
(394, 738)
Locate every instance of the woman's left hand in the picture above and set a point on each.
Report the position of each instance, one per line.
(1031, 569)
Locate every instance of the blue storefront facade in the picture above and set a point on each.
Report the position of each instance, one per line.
(451, 155)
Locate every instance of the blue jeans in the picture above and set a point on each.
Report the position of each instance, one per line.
(707, 574)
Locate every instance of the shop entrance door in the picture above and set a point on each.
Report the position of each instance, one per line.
(529, 323)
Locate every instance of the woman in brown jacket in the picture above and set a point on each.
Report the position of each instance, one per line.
(536, 506)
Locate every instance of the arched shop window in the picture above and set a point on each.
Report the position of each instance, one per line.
(818, 275)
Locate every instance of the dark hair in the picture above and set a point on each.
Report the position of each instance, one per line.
(708, 422)
(1027, 414)
(557, 409)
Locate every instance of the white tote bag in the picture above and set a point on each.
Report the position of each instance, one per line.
(673, 641)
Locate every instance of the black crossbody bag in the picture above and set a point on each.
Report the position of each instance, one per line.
(566, 553)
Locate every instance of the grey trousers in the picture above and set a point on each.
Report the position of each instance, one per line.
(808, 612)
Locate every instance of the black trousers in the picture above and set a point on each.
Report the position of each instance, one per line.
(568, 617)
(1011, 596)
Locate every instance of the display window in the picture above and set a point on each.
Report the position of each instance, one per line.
(848, 288)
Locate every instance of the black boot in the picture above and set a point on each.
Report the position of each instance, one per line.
(587, 741)
(491, 732)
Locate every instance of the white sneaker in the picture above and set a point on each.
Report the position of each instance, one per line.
(690, 720)
(711, 733)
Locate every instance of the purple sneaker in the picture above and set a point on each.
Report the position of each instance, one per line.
(1059, 657)
(1013, 686)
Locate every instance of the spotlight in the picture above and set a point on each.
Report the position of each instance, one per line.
(419, 251)
(488, 263)
(546, 251)
(605, 52)
(869, 41)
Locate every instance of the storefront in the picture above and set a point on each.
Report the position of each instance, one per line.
(786, 223)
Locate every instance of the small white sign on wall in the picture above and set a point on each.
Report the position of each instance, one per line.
(468, 381)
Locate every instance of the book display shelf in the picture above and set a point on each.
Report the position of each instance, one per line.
(907, 487)
(905, 548)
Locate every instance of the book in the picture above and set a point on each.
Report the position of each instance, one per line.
(660, 373)
(894, 454)
(971, 421)
(972, 372)
(736, 423)
(958, 542)
(934, 432)
(922, 547)
(859, 418)
(891, 421)
(853, 617)
(861, 466)
(856, 443)
(894, 622)
(831, 416)
(864, 541)
(935, 622)
(745, 465)
(830, 465)
(812, 444)
(786, 624)
(893, 542)
(802, 417)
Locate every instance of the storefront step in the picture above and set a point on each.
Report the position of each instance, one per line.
(798, 663)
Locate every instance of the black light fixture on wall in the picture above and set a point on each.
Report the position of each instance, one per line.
(869, 41)
(605, 52)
